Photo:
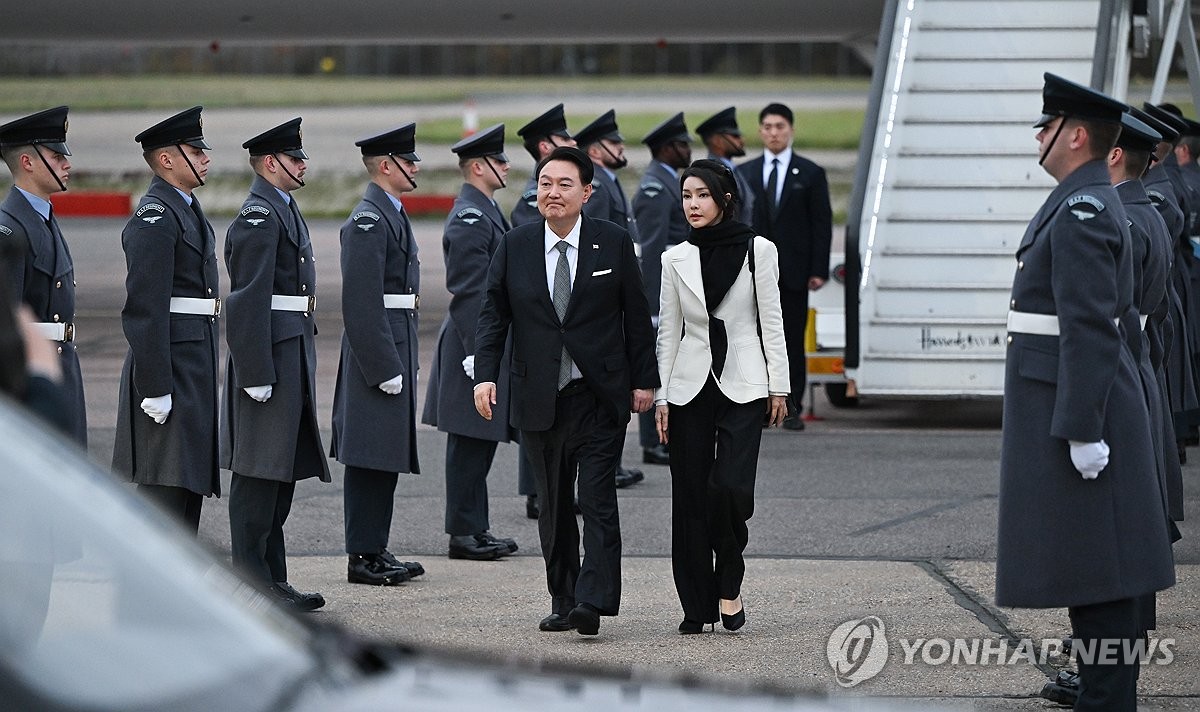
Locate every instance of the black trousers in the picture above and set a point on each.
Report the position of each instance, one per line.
(468, 461)
(795, 322)
(1107, 685)
(368, 500)
(714, 458)
(525, 483)
(258, 509)
(586, 435)
(179, 501)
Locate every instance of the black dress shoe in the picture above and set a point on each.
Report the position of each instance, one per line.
(628, 476)
(476, 548)
(414, 568)
(531, 507)
(1063, 689)
(374, 570)
(656, 455)
(554, 623)
(585, 619)
(793, 422)
(509, 544)
(291, 598)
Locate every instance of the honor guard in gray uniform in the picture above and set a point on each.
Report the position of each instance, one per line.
(269, 435)
(540, 136)
(43, 277)
(474, 229)
(603, 143)
(1183, 387)
(1081, 520)
(658, 211)
(723, 139)
(375, 401)
(167, 414)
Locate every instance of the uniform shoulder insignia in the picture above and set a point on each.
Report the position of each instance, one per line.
(5, 230)
(652, 188)
(255, 215)
(365, 220)
(150, 213)
(1085, 207)
(469, 215)
(529, 197)
(1156, 197)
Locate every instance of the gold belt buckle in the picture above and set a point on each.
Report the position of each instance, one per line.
(217, 311)
(312, 303)
(69, 332)
(416, 301)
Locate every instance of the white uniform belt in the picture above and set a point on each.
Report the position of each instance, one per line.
(1040, 324)
(195, 305)
(401, 301)
(55, 331)
(1143, 318)
(282, 302)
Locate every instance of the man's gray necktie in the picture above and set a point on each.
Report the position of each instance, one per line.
(562, 297)
(773, 187)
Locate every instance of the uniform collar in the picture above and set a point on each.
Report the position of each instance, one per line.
(41, 205)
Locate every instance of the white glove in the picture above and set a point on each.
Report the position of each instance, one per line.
(1089, 458)
(262, 394)
(469, 366)
(158, 408)
(393, 386)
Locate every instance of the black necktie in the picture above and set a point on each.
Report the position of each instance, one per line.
(773, 187)
(60, 245)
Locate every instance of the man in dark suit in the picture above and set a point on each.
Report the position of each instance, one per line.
(474, 229)
(582, 359)
(1081, 520)
(375, 402)
(723, 139)
(269, 434)
(791, 209)
(43, 277)
(658, 211)
(167, 413)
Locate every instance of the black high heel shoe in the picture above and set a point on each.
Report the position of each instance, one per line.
(691, 627)
(733, 621)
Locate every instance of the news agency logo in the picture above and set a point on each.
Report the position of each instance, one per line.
(857, 650)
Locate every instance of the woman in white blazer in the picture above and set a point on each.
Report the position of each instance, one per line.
(721, 382)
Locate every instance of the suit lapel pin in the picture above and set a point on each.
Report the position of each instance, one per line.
(795, 171)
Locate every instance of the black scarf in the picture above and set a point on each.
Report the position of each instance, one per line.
(723, 249)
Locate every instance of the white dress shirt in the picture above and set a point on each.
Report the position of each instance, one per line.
(785, 160)
(551, 240)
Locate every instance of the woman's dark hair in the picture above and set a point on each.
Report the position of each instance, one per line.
(719, 179)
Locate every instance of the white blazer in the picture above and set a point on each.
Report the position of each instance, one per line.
(753, 369)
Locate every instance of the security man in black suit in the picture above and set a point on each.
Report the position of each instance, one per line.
(270, 438)
(723, 139)
(540, 136)
(166, 436)
(602, 141)
(473, 231)
(582, 359)
(658, 211)
(35, 149)
(791, 209)
(374, 404)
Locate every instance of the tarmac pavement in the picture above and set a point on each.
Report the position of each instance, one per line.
(886, 510)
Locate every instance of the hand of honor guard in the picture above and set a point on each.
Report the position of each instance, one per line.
(1089, 458)
(469, 366)
(262, 394)
(158, 408)
(393, 386)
